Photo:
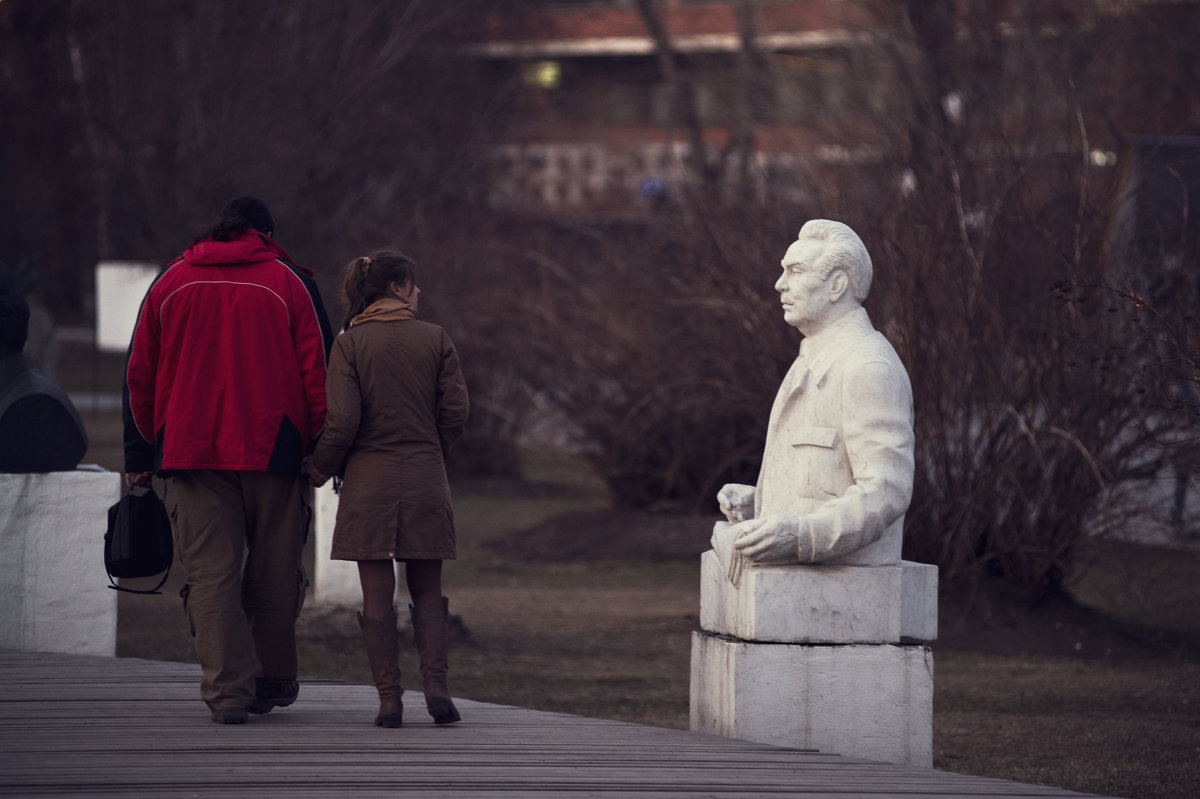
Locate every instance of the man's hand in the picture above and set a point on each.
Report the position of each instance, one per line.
(737, 502)
(315, 478)
(139, 479)
(772, 540)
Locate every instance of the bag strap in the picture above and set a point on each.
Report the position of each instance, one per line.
(116, 587)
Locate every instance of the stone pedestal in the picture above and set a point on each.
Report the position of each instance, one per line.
(54, 594)
(335, 582)
(819, 657)
(869, 701)
(821, 604)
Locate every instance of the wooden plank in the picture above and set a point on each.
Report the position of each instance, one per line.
(101, 727)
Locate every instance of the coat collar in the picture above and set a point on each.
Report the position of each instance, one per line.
(387, 309)
(247, 247)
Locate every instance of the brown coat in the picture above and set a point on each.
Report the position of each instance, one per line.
(397, 401)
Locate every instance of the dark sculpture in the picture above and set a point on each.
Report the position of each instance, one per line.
(40, 430)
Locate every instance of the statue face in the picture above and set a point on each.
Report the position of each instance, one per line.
(804, 293)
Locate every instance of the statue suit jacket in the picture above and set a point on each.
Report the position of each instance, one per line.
(839, 449)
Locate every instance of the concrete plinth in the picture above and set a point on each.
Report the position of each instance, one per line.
(54, 594)
(918, 601)
(335, 582)
(868, 701)
(821, 604)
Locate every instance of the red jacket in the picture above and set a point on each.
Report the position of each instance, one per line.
(227, 363)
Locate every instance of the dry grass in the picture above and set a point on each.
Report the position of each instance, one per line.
(1120, 728)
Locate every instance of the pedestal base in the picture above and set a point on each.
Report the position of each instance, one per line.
(822, 604)
(54, 594)
(868, 701)
(335, 582)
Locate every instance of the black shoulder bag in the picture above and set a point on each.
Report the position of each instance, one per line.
(138, 542)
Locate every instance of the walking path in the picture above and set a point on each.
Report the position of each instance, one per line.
(85, 726)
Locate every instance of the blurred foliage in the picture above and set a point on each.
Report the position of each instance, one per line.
(140, 118)
(988, 200)
(1039, 399)
(974, 156)
(657, 345)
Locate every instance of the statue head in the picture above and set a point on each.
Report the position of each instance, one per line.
(826, 273)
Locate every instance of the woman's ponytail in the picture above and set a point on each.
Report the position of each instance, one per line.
(369, 278)
(357, 279)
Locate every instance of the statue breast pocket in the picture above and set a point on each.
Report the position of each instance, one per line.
(821, 462)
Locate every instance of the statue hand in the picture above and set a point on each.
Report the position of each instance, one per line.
(736, 501)
(771, 540)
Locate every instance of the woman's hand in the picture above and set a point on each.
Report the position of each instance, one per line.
(139, 479)
(315, 478)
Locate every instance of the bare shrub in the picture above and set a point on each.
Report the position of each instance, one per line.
(985, 199)
(1032, 392)
(658, 341)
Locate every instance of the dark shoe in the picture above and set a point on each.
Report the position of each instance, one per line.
(442, 709)
(269, 694)
(430, 636)
(391, 712)
(383, 653)
(230, 715)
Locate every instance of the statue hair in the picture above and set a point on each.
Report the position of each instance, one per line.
(369, 277)
(842, 249)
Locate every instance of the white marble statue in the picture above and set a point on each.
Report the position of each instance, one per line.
(837, 469)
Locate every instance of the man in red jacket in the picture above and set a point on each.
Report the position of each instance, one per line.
(225, 394)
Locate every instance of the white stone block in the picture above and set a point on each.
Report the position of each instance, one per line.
(820, 603)
(918, 601)
(335, 582)
(54, 594)
(868, 701)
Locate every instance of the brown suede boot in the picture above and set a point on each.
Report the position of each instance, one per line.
(383, 652)
(429, 634)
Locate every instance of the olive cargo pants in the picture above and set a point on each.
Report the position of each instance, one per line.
(240, 537)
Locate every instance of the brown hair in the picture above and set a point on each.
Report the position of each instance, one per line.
(369, 276)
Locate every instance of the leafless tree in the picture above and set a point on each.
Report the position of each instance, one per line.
(980, 177)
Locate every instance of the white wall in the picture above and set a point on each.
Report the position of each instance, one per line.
(120, 287)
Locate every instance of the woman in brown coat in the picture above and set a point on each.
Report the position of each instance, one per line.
(397, 401)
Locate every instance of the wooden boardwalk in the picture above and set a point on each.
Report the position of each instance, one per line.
(73, 725)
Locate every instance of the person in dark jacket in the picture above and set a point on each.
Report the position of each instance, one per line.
(397, 401)
(225, 395)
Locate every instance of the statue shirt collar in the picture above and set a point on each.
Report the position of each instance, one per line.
(821, 350)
